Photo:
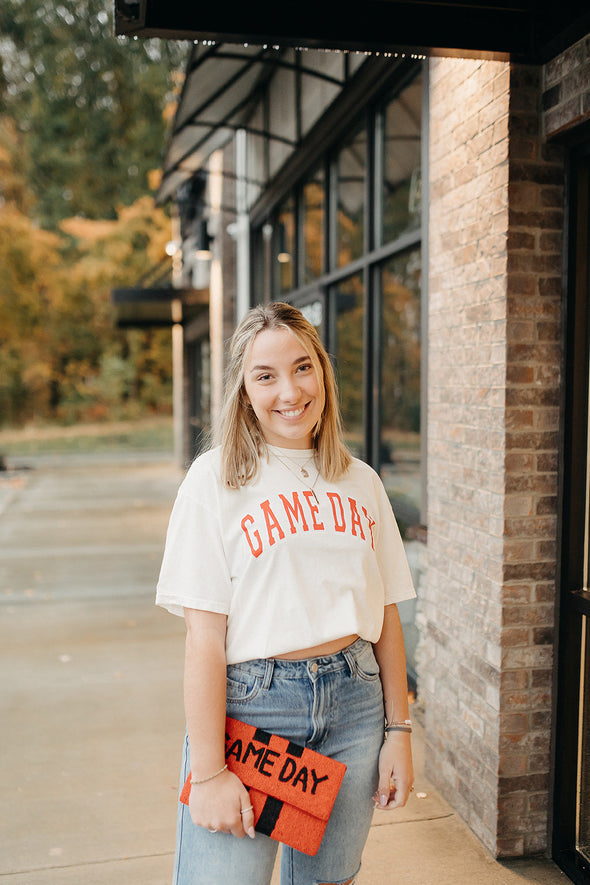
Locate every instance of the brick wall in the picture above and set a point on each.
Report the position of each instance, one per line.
(566, 95)
(487, 600)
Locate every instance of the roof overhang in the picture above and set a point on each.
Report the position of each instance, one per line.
(524, 30)
(139, 307)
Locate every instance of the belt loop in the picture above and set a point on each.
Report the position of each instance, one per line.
(268, 673)
(350, 660)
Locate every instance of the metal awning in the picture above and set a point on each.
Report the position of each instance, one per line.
(219, 93)
(223, 91)
(139, 307)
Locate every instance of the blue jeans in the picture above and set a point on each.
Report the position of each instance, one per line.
(334, 705)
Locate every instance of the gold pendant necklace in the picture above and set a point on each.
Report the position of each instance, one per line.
(304, 473)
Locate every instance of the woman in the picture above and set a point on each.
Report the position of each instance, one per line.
(284, 557)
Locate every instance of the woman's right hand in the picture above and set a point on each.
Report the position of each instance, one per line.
(216, 802)
(222, 805)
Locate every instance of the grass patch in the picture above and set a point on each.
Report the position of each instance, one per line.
(153, 435)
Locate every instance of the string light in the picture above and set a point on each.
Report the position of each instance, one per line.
(378, 53)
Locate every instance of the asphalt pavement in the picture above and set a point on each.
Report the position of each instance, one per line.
(91, 695)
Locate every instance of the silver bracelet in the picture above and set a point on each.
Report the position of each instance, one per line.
(210, 778)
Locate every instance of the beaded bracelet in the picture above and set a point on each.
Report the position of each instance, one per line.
(210, 778)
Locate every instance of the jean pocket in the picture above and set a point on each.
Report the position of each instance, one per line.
(242, 685)
(366, 665)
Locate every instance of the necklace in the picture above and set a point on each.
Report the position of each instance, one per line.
(302, 470)
(301, 467)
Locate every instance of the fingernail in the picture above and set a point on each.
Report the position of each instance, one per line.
(251, 832)
(383, 800)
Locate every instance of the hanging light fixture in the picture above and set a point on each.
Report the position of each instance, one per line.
(172, 247)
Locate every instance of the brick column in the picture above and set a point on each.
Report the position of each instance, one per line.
(486, 602)
(535, 245)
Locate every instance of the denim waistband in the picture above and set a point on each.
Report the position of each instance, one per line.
(303, 668)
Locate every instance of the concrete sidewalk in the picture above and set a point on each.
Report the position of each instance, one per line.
(91, 697)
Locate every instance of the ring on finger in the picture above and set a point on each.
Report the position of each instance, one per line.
(246, 810)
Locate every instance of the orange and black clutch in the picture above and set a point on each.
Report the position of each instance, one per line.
(292, 788)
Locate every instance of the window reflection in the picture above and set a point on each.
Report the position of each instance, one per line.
(350, 169)
(314, 312)
(314, 212)
(284, 247)
(402, 181)
(400, 385)
(349, 311)
(337, 209)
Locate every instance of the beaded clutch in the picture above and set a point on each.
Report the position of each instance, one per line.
(292, 788)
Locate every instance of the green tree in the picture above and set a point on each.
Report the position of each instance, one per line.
(83, 118)
(30, 283)
(110, 373)
(89, 105)
(61, 356)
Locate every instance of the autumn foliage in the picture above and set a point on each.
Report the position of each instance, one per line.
(61, 355)
(83, 119)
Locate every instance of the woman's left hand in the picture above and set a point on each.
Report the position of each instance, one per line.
(396, 771)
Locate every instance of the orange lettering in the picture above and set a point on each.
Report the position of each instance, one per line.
(318, 526)
(356, 520)
(371, 524)
(340, 526)
(294, 511)
(256, 551)
(272, 522)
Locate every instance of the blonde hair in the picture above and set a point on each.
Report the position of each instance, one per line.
(241, 439)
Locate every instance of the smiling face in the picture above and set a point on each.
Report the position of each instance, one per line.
(283, 387)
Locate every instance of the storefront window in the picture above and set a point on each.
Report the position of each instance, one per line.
(198, 368)
(402, 181)
(400, 385)
(351, 169)
(284, 247)
(355, 201)
(349, 321)
(314, 215)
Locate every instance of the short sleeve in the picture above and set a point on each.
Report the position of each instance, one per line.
(194, 572)
(391, 555)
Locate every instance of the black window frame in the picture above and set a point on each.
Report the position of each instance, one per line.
(375, 254)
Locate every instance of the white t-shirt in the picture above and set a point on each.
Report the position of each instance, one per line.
(289, 571)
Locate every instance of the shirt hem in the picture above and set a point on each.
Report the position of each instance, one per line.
(176, 606)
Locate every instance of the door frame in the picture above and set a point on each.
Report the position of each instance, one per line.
(574, 598)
